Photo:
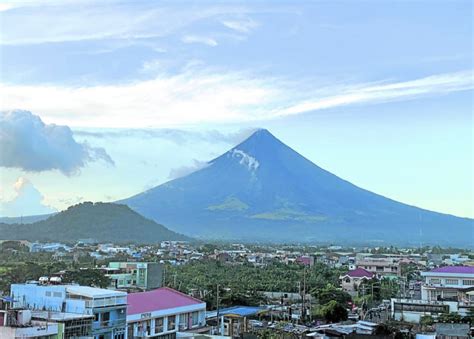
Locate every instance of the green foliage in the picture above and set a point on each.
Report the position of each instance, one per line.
(241, 284)
(87, 277)
(334, 311)
(426, 320)
(379, 289)
(99, 220)
(331, 293)
(23, 272)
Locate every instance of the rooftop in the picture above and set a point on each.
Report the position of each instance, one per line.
(454, 269)
(156, 300)
(93, 292)
(360, 273)
(237, 311)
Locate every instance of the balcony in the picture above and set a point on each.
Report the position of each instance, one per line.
(109, 323)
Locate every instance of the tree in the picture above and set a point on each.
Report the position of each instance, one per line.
(329, 293)
(87, 277)
(334, 312)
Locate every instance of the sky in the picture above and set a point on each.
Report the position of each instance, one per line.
(101, 100)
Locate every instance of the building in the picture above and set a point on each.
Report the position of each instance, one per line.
(135, 275)
(351, 281)
(161, 313)
(107, 306)
(70, 325)
(234, 321)
(380, 264)
(19, 324)
(306, 260)
(447, 289)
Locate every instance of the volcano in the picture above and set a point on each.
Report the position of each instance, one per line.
(262, 190)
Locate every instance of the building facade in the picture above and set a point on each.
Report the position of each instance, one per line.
(107, 306)
(351, 281)
(380, 265)
(135, 275)
(161, 313)
(448, 289)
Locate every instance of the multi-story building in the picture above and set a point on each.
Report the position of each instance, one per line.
(447, 289)
(161, 313)
(107, 306)
(380, 264)
(135, 275)
(19, 324)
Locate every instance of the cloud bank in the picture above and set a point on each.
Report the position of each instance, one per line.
(27, 143)
(209, 96)
(28, 201)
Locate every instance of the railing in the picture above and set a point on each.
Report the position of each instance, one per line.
(109, 323)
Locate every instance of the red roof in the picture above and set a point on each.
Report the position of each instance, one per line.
(157, 300)
(360, 273)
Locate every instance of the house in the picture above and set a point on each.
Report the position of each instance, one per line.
(448, 289)
(381, 265)
(351, 281)
(306, 260)
(162, 312)
(234, 321)
(135, 275)
(107, 306)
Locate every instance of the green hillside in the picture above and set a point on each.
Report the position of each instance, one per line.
(103, 222)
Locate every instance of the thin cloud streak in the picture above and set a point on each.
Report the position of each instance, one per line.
(359, 94)
(209, 96)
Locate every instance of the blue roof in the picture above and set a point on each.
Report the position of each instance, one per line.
(242, 311)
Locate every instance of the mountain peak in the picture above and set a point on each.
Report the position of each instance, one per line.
(260, 139)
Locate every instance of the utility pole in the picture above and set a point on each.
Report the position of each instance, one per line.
(303, 309)
(217, 314)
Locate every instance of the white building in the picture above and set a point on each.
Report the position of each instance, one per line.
(447, 289)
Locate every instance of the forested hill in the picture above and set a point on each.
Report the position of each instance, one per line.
(103, 222)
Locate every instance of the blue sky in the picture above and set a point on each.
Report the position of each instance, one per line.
(379, 93)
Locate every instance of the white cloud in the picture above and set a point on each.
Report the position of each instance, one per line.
(27, 201)
(192, 39)
(31, 145)
(243, 25)
(385, 92)
(86, 20)
(185, 170)
(210, 96)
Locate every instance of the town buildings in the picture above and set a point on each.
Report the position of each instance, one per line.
(448, 289)
(162, 312)
(381, 265)
(107, 306)
(19, 324)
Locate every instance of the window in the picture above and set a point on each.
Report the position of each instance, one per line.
(468, 282)
(158, 325)
(435, 281)
(105, 317)
(452, 281)
(171, 322)
(48, 293)
(195, 318)
(183, 321)
(57, 294)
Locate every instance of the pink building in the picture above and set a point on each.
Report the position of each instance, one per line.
(351, 280)
(162, 312)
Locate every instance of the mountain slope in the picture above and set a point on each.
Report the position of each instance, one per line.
(102, 222)
(264, 190)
